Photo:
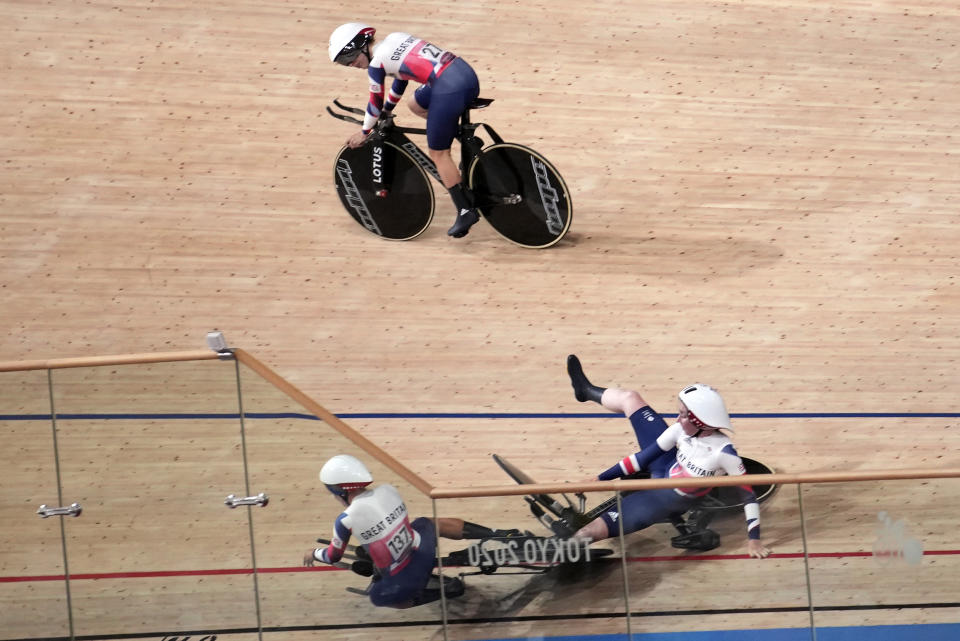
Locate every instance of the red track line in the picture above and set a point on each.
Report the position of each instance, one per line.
(793, 555)
(163, 573)
(328, 568)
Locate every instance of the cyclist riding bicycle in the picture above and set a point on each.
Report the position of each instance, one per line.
(448, 86)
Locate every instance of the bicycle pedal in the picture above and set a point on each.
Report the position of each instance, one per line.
(561, 528)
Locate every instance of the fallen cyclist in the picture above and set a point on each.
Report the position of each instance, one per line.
(693, 447)
(399, 554)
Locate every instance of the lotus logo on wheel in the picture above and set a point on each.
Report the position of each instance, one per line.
(352, 196)
(377, 164)
(548, 195)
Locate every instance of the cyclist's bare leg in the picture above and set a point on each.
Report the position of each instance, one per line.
(450, 528)
(620, 400)
(467, 214)
(417, 109)
(449, 174)
(595, 530)
(453, 181)
(453, 528)
(443, 159)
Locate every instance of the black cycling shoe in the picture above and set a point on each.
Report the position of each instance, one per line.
(466, 219)
(583, 390)
(363, 568)
(453, 587)
(702, 541)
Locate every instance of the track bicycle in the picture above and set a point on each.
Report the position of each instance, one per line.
(385, 184)
(517, 553)
(692, 528)
(526, 553)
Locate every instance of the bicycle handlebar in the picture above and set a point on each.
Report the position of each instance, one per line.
(343, 116)
(383, 126)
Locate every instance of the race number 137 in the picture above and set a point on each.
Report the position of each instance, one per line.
(399, 542)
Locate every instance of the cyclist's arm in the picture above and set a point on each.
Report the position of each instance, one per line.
(639, 461)
(733, 466)
(396, 92)
(338, 545)
(377, 75)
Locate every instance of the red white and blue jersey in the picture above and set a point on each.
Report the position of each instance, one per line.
(403, 57)
(711, 455)
(696, 457)
(378, 518)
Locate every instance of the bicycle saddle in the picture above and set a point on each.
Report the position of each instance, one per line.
(480, 103)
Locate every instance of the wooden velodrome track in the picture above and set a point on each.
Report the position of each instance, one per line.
(765, 199)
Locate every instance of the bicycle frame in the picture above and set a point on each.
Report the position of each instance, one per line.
(386, 129)
(517, 191)
(566, 519)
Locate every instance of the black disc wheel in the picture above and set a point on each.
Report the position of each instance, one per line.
(384, 189)
(521, 195)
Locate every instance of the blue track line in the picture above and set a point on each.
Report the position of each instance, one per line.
(449, 415)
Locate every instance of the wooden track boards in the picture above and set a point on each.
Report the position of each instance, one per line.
(766, 201)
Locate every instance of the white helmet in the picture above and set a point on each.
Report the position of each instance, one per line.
(343, 473)
(706, 406)
(348, 40)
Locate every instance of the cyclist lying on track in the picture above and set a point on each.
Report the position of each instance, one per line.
(403, 553)
(694, 446)
(448, 86)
